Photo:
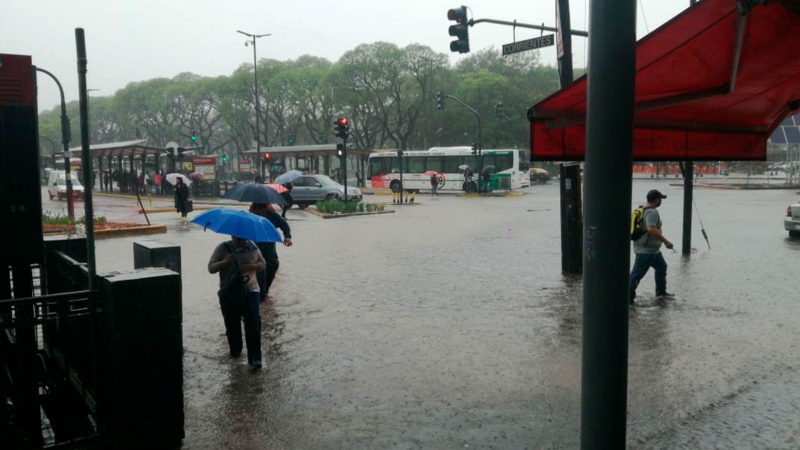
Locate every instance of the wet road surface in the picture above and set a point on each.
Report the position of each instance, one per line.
(450, 325)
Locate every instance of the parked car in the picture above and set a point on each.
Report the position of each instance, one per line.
(539, 176)
(309, 189)
(57, 185)
(792, 220)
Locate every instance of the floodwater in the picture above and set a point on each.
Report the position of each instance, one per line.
(448, 324)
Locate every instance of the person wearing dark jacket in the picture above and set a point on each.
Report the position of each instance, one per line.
(181, 197)
(287, 195)
(267, 276)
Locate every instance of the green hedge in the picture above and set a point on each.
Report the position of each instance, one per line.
(340, 207)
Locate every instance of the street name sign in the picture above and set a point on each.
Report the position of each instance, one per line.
(529, 44)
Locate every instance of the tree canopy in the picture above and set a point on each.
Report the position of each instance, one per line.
(389, 93)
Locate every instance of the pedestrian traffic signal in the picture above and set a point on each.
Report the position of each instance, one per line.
(474, 149)
(460, 30)
(440, 96)
(342, 127)
(340, 149)
(498, 109)
(194, 136)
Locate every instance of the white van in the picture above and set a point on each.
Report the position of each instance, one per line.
(57, 185)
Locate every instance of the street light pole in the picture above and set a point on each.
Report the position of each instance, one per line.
(66, 136)
(252, 40)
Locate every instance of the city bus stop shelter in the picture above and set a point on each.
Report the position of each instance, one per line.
(712, 84)
(119, 151)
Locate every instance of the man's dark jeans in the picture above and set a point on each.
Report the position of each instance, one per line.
(233, 315)
(643, 263)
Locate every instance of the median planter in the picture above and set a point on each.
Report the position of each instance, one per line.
(333, 208)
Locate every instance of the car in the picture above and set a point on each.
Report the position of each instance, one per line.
(309, 189)
(792, 220)
(539, 176)
(57, 185)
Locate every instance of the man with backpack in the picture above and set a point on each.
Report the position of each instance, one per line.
(647, 240)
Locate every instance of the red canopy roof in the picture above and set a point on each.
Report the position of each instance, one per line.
(711, 84)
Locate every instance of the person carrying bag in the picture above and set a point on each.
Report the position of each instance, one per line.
(237, 262)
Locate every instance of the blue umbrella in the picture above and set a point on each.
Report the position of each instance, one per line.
(288, 177)
(254, 193)
(238, 223)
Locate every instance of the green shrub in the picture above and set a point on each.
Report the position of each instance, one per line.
(58, 219)
(340, 207)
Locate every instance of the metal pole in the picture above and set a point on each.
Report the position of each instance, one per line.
(609, 152)
(569, 176)
(258, 115)
(478, 116)
(66, 137)
(86, 160)
(688, 192)
(525, 25)
(344, 164)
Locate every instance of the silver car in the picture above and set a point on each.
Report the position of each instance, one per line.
(792, 220)
(309, 189)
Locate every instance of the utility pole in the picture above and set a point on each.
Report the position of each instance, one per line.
(569, 175)
(609, 152)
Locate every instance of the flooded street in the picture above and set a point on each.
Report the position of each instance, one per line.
(448, 324)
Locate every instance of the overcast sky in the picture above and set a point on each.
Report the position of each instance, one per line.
(129, 40)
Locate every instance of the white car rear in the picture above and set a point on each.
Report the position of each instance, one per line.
(792, 220)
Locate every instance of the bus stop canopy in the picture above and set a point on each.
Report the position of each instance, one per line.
(712, 84)
(120, 150)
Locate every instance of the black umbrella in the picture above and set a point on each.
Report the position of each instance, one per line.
(254, 193)
(488, 169)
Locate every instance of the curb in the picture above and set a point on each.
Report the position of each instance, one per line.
(118, 232)
(336, 216)
(163, 210)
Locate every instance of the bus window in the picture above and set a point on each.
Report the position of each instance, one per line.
(414, 164)
(451, 164)
(472, 162)
(504, 162)
(435, 163)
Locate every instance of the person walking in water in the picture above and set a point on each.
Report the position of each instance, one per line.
(647, 249)
(268, 249)
(181, 197)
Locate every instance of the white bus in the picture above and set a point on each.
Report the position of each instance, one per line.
(447, 164)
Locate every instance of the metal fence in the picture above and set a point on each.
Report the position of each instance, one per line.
(48, 364)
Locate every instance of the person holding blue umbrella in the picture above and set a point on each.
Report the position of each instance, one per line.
(238, 256)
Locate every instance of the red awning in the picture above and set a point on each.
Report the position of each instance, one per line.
(711, 84)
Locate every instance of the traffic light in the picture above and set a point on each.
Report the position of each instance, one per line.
(194, 137)
(498, 109)
(440, 96)
(267, 156)
(460, 30)
(224, 158)
(340, 149)
(474, 149)
(181, 151)
(342, 127)
(290, 141)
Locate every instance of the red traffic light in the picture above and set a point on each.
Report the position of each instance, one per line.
(343, 121)
(266, 156)
(458, 14)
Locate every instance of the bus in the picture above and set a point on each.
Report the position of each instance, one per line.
(447, 164)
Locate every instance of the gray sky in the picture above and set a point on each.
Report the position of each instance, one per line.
(130, 41)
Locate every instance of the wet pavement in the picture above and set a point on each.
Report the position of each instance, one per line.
(449, 325)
